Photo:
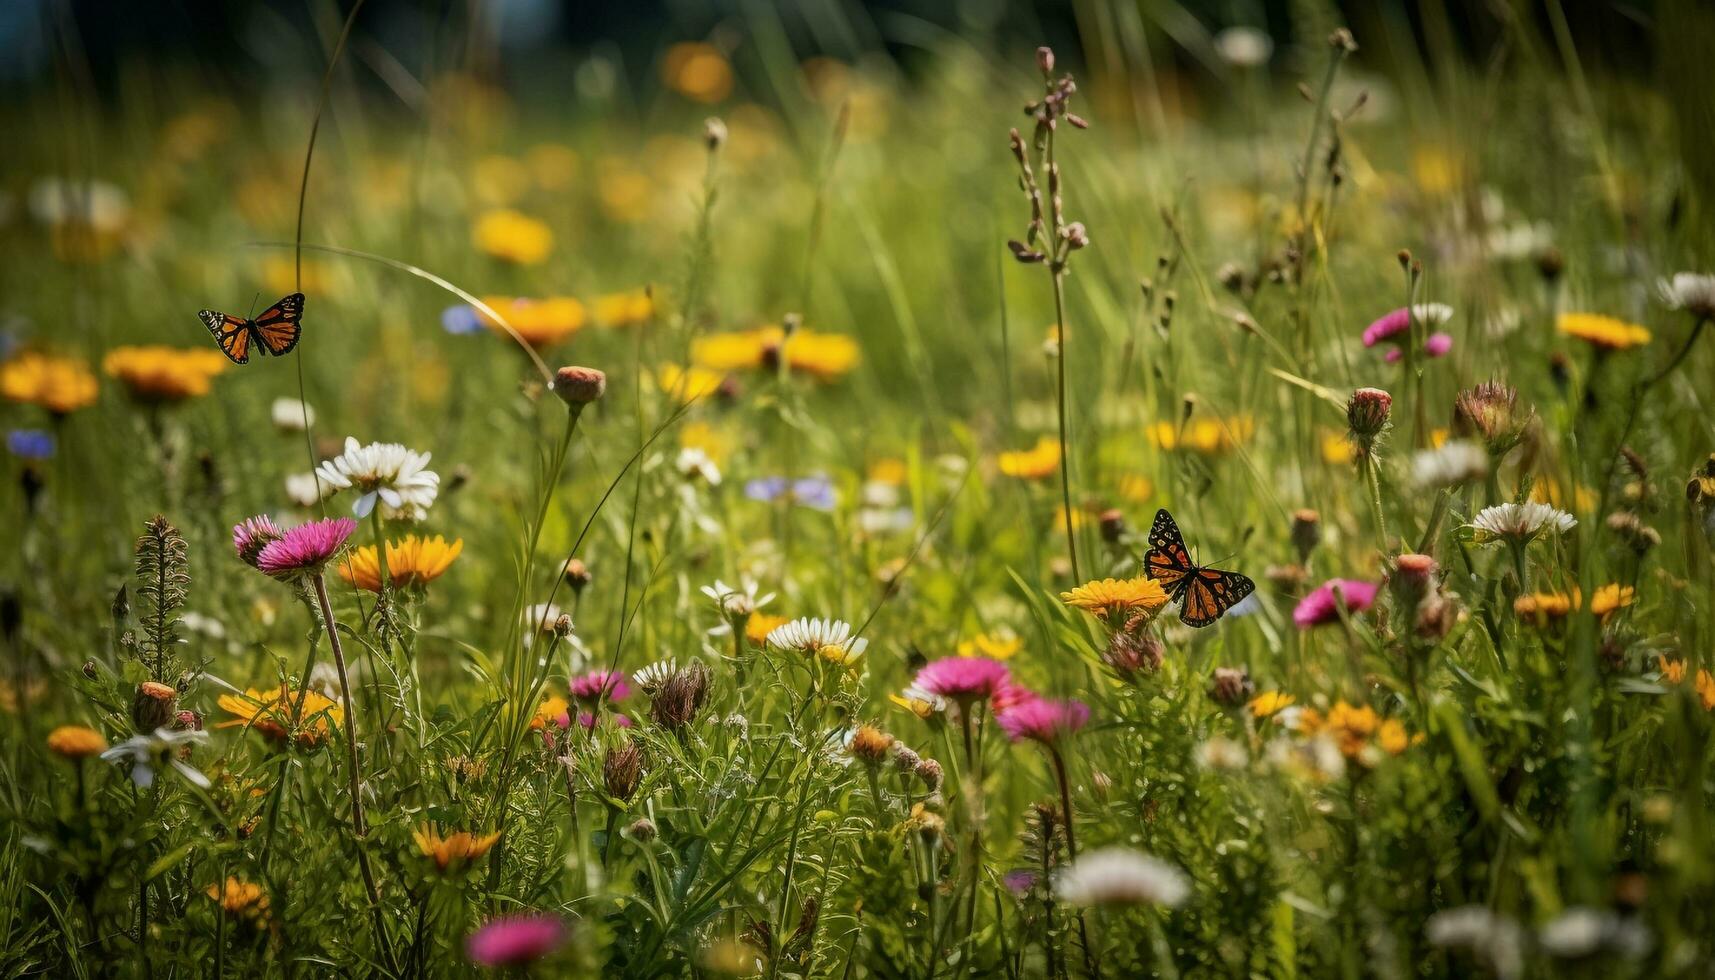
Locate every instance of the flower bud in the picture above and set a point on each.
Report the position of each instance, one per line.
(1132, 653)
(622, 770)
(714, 133)
(153, 706)
(578, 386)
(577, 575)
(1232, 686)
(930, 772)
(642, 830)
(1045, 59)
(1367, 415)
(1112, 525)
(1306, 532)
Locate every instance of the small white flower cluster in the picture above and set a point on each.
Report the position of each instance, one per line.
(387, 472)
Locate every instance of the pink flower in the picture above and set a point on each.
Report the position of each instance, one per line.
(1010, 694)
(1437, 345)
(1323, 604)
(1391, 325)
(306, 548)
(963, 679)
(1042, 719)
(515, 940)
(590, 687)
(253, 534)
(1387, 325)
(588, 720)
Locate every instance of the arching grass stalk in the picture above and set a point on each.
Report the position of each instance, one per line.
(1065, 786)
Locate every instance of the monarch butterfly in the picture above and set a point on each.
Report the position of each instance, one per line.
(1203, 594)
(276, 330)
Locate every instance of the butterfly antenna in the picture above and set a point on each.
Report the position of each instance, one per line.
(253, 301)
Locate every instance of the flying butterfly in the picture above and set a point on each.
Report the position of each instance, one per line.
(1203, 594)
(275, 331)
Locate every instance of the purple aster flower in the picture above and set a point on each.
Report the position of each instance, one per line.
(514, 940)
(30, 443)
(816, 492)
(1020, 882)
(1323, 604)
(306, 548)
(1042, 719)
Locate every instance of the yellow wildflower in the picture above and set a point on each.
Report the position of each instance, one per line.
(1208, 437)
(1036, 463)
(1136, 488)
(553, 166)
(688, 384)
(1673, 672)
(513, 237)
(824, 356)
(1269, 703)
(889, 470)
(61, 385)
(760, 624)
(624, 309)
(453, 849)
(76, 742)
(550, 712)
(241, 899)
(1337, 449)
(411, 561)
(1111, 597)
(1602, 332)
(999, 645)
(164, 374)
(274, 713)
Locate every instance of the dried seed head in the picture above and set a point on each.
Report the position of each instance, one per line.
(1112, 525)
(1232, 686)
(1133, 652)
(622, 770)
(642, 830)
(1306, 532)
(680, 696)
(870, 744)
(153, 706)
(577, 574)
(930, 772)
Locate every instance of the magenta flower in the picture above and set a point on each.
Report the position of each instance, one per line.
(963, 679)
(1020, 882)
(1391, 327)
(1010, 694)
(306, 548)
(515, 940)
(253, 534)
(591, 686)
(588, 720)
(1323, 604)
(1042, 719)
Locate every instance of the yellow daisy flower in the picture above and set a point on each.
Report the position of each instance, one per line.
(164, 374)
(453, 849)
(697, 71)
(688, 384)
(411, 562)
(1602, 332)
(999, 645)
(272, 713)
(1269, 703)
(1208, 437)
(76, 742)
(541, 322)
(512, 236)
(760, 624)
(624, 309)
(1110, 597)
(61, 385)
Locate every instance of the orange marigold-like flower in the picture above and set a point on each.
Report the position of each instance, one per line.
(61, 385)
(155, 373)
(624, 309)
(275, 713)
(1109, 597)
(542, 322)
(412, 562)
(513, 237)
(1208, 437)
(1269, 703)
(1602, 332)
(453, 849)
(241, 899)
(76, 742)
(1673, 672)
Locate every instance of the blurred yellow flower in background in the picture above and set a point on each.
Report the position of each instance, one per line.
(541, 322)
(1673, 672)
(627, 309)
(1000, 644)
(625, 192)
(1269, 703)
(1602, 332)
(688, 384)
(553, 166)
(61, 385)
(512, 236)
(697, 71)
(453, 849)
(499, 180)
(244, 900)
(1209, 437)
(280, 275)
(156, 373)
(76, 742)
(1036, 463)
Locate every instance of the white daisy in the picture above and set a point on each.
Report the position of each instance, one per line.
(694, 463)
(1690, 291)
(291, 415)
(146, 752)
(1121, 876)
(652, 676)
(1520, 522)
(734, 604)
(829, 638)
(1432, 314)
(384, 471)
(1455, 462)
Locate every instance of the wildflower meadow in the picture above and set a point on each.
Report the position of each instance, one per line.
(841, 490)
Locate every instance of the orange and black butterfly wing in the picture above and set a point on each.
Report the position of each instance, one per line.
(1167, 561)
(232, 333)
(277, 328)
(1209, 593)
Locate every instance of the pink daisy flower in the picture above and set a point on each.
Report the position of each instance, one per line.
(1010, 694)
(588, 720)
(1323, 604)
(306, 548)
(590, 686)
(515, 940)
(963, 679)
(253, 534)
(1043, 719)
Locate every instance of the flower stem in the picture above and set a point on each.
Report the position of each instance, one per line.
(1059, 277)
(1370, 477)
(1072, 850)
(355, 775)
